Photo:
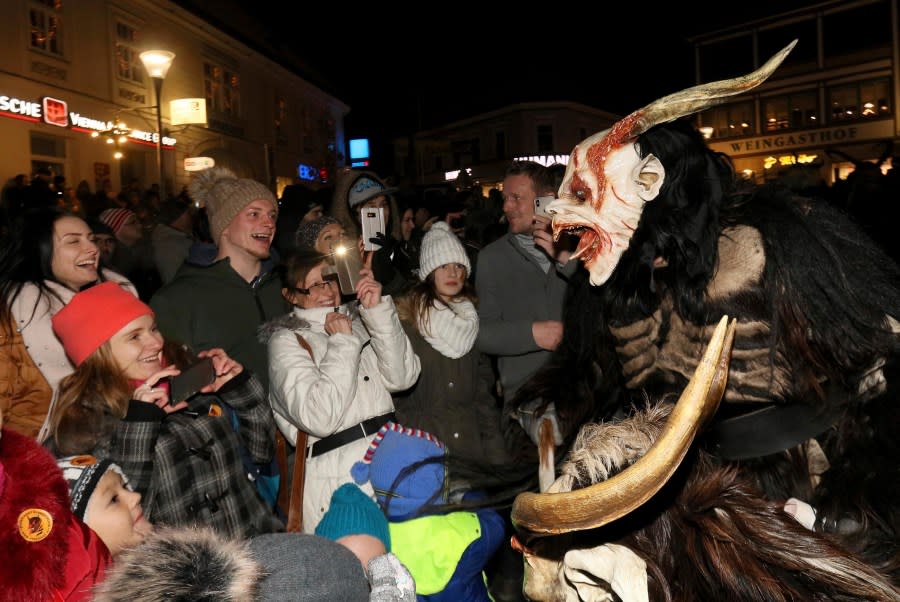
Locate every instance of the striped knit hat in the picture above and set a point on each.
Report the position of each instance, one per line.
(82, 475)
(393, 449)
(115, 218)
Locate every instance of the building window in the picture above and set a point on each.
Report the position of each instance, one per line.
(500, 145)
(859, 100)
(128, 63)
(45, 18)
(544, 139)
(48, 146)
(790, 112)
(728, 121)
(222, 88)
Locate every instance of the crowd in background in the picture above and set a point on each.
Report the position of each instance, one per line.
(105, 296)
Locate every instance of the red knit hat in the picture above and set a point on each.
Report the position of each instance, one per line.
(93, 316)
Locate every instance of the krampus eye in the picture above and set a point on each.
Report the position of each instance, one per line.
(581, 195)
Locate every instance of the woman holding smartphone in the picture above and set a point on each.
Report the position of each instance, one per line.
(362, 191)
(184, 459)
(331, 373)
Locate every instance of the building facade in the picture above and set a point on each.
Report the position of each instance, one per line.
(485, 144)
(71, 69)
(831, 105)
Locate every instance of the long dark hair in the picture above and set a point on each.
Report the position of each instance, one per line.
(413, 306)
(28, 258)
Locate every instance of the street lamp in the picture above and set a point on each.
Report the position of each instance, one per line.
(157, 63)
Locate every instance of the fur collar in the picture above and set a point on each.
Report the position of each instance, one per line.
(289, 321)
(183, 564)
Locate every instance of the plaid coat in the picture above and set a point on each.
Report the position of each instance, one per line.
(187, 465)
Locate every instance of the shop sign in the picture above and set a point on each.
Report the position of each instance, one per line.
(54, 111)
(307, 172)
(198, 163)
(546, 160)
(873, 130)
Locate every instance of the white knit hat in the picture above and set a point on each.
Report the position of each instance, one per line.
(440, 246)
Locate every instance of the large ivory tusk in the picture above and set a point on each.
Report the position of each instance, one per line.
(540, 514)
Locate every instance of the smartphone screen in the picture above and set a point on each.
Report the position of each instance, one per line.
(541, 203)
(372, 220)
(191, 380)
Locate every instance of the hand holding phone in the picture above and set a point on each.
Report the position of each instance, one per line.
(372, 221)
(191, 380)
(541, 203)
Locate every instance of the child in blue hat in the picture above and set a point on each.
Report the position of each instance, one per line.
(445, 552)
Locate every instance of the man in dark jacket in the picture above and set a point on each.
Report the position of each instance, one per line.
(223, 303)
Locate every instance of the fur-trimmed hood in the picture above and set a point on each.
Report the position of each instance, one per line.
(295, 323)
(194, 564)
(289, 321)
(340, 210)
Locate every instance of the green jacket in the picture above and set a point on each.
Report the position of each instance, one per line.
(213, 306)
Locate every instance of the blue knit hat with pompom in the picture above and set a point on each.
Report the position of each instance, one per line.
(394, 448)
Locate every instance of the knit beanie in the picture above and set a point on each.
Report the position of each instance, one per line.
(224, 195)
(393, 449)
(367, 186)
(440, 246)
(93, 316)
(352, 512)
(115, 218)
(82, 474)
(308, 232)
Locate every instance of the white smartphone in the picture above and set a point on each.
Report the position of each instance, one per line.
(541, 203)
(372, 220)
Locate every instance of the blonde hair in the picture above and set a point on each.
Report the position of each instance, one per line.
(91, 401)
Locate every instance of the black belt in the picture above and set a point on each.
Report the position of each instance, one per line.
(357, 431)
(768, 430)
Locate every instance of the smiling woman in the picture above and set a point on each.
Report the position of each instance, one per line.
(185, 458)
(49, 257)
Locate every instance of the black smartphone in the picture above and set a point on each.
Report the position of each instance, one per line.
(191, 380)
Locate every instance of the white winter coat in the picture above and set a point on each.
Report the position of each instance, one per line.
(349, 379)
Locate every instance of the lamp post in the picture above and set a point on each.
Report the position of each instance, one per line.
(157, 63)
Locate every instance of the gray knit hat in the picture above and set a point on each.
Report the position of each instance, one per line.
(367, 186)
(224, 195)
(308, 232)
(440, 246)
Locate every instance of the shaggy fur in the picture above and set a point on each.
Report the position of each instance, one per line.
(709, 534)
(811, 324)
(183, 565)
(31, 571)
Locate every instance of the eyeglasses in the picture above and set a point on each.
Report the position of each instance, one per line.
(318, 287)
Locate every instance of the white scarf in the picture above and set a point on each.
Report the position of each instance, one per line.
(451, 328)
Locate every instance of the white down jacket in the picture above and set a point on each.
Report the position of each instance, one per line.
(348, 379)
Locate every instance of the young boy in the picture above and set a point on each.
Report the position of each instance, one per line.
(100, 496)
(199, 564)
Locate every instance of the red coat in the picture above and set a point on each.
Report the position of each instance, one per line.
(46, 554)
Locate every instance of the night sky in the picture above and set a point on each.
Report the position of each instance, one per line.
(399, 79)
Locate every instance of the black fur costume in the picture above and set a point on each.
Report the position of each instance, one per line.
(812, 331)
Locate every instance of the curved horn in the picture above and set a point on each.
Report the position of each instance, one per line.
(696, 99)
(540, 514)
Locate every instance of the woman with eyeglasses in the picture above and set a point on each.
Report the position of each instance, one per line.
(332, 370)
